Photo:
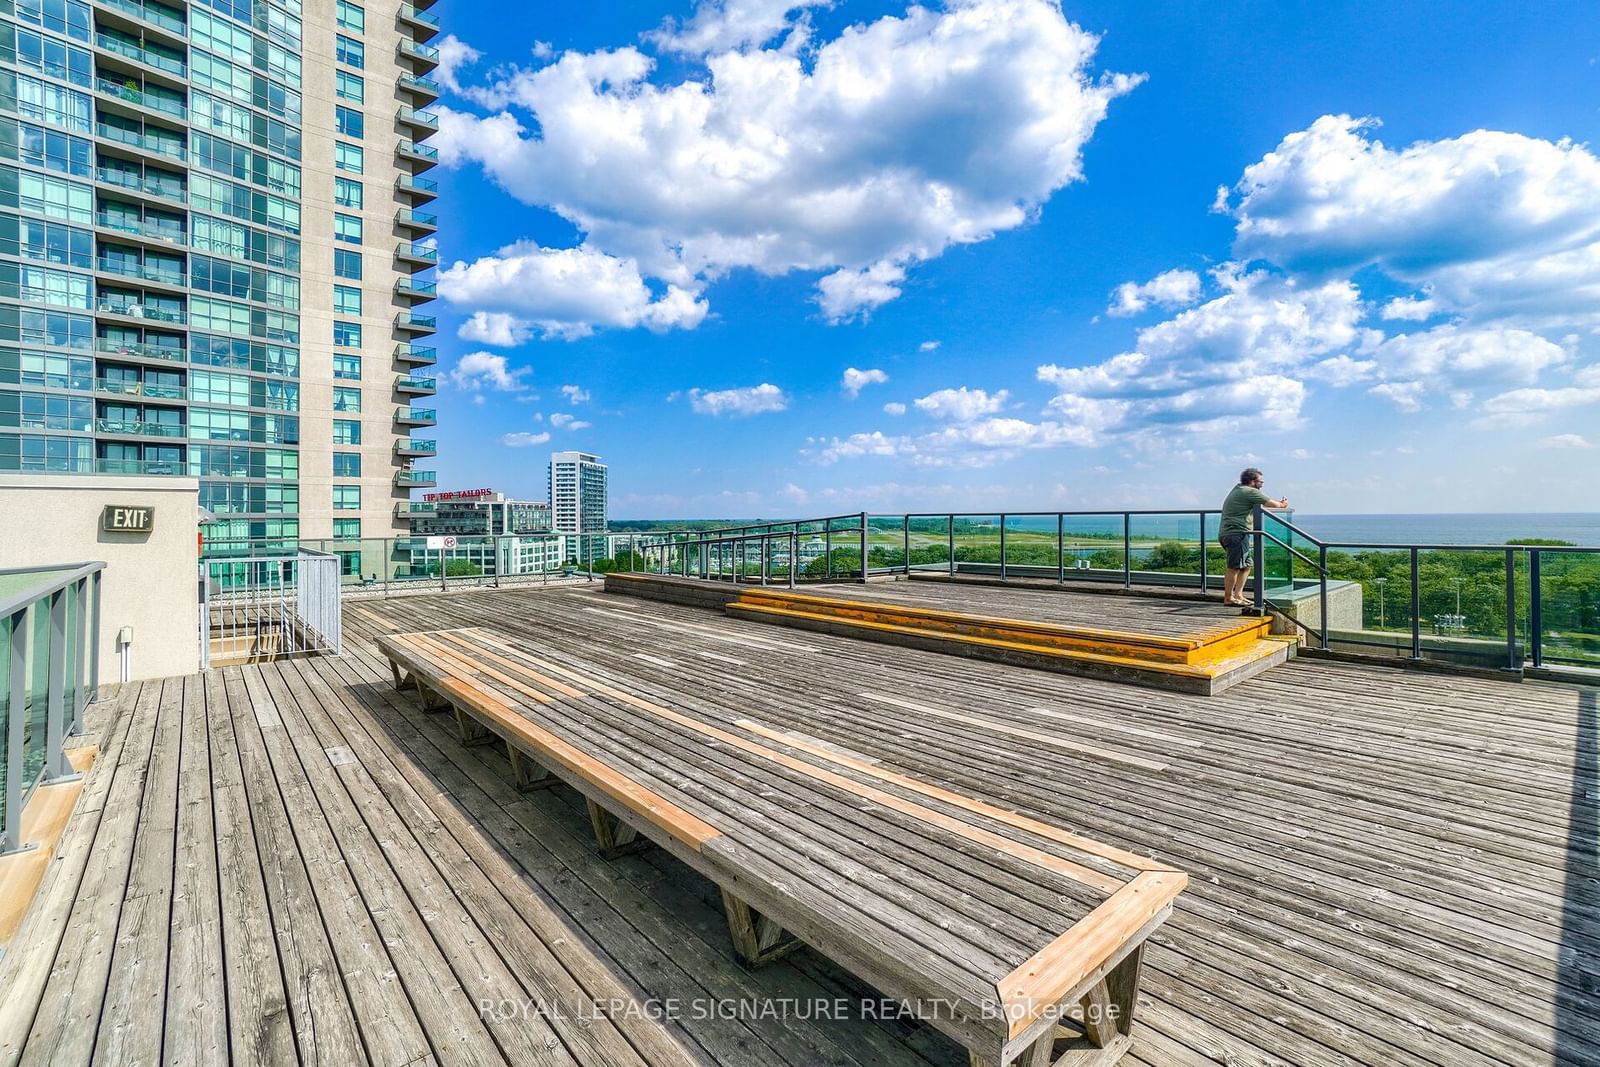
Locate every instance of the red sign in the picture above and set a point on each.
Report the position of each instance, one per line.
(459, 494)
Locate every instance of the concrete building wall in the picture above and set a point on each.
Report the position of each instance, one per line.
(151, 580)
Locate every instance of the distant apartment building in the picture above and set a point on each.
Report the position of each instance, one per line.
(211, 228)
(578, 503)
(477, 513)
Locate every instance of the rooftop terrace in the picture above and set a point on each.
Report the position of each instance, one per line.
(292, 862)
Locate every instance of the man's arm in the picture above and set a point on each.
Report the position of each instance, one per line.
(1270, 503)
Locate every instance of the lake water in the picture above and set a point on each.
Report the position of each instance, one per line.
(1582, 528)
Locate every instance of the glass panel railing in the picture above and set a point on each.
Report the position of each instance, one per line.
(1168, 550)
(886, 543)
(977, 544)
(1030, 546)
(1569, 601)
(1369, 600)
(930, 542)
(1093, 546)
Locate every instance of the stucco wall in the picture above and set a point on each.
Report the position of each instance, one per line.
(150, 580)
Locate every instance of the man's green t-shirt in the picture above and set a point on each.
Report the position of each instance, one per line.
(1237, 509)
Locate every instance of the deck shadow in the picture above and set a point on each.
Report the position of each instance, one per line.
(1578, 997)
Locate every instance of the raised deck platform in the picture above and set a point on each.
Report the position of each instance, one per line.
(1387, 867)
(1186, 645)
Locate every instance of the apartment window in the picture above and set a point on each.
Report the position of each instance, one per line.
(347, 529)
(348, 50)
(346, 264)
(346, 399)
(347, 228)
(351, 16)
(347, 498)
(347, 334)
(347, 193)
(349, 86)
(348, 157)
(347, 368)
(346, 431)
(347, 300)
(347, 465)
(351, 123)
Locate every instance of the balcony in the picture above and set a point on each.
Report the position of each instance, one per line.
(142, 390)
(415, 509)
(417, 386)
(154, 146)
(423, 87)
(144, 186)
(412, 446)
(418, 120)
(421, 357)
(128, 94)
(416, 221)
(423, 188)
(134, 428)
(420, 22)
(415, 479)
(148, 16)
(411, 252)
(150, 231)
(424, 56)
(411, 289)
(107, 43)
(417, 153)
(143, 271)
(137, 350)
(415, 416)
(140, 311)
(408, 320)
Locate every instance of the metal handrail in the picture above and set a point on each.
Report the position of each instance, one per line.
(81, 583)
(664, 550)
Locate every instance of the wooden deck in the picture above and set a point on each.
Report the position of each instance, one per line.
(292, 863)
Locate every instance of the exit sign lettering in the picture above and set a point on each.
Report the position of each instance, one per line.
(120, 518)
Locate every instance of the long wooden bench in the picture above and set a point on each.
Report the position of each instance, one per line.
(1019, 939)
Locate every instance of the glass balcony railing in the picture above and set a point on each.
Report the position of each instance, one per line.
(409, 287)
(124, 180)
(134, 95)
(132, 51)
(411, 183)
(416, 447)
(142, 227)
(413, 250)
(420, 151)
(411, 14)
(112, 347)
(416, 354)
(416, 416)
(154, 145)
(140, 311)
(412, 478)
(145, 390)
(154, 16)
(417, 219)
(417, 385)
(408, 321)
(414, 508)
(143, 271)
(423, 119)
(424, 53)
(427, 86)
(135, 428)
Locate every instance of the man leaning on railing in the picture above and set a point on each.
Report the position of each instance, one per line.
(1234, 536)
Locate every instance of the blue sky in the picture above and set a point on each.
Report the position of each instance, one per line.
(1097, 255)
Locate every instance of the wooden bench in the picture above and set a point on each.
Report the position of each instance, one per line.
(1019, 939)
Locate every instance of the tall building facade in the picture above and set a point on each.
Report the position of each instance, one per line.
(212, 221)
(578, 498)
(478, 513)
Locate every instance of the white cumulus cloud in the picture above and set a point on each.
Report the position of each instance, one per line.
(485, 370)
(894, 407)
(523, 439)
(961, 404)
(562, 421)
(454, 54)
(1170, 289)
(575, 394)
(1565, 440)
(749, 400)
(867, 154)
(855, 380)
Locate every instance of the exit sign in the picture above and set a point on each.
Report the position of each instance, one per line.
(120, 518)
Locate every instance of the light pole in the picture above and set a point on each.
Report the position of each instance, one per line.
(1380, 582)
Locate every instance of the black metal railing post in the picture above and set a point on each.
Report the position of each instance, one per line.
(827, 547)
(1205, 559)
(1002, 546)
(794, 555)
(1258, 555)
(1127, 550)
(864, 571)
(1416, 606)
(1511, 610)
(1535, 609)
(1061, 549)
(906, 542)
(950, 541)
(1322, 598)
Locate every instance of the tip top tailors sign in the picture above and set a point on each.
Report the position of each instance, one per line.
(121, 518)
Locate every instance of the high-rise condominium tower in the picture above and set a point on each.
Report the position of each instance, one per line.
(578, 502)
(211, 219)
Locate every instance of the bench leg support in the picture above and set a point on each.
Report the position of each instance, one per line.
(756, 938)
(395, 667)
(528, 774)
(615, 837)
(471, 730)
(1102, 1029)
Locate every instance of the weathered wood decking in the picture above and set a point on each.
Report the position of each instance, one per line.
(294, 864)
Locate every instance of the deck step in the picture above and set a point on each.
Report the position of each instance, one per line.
(1211, 670)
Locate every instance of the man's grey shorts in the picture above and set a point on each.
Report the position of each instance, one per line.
(1235, 543)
